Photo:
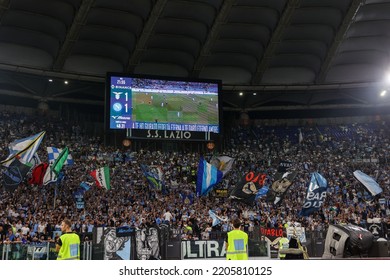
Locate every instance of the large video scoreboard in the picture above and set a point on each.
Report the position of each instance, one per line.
(163, 108)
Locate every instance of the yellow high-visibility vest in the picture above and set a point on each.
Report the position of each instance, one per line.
(283, 244)
(237, 245)
(70, 248)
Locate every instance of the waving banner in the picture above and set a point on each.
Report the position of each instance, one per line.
(208, 176)
(283, 179)
(315, 195)
(249, 186)
(368, 182)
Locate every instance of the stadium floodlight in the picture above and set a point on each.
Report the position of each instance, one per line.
(383, 92)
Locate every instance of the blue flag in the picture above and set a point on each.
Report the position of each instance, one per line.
(208, 177)
(14, 174)
(315, 195)
(187, 198)
(154, 175)
(79, 199)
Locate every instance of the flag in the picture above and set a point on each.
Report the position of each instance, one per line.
(208, 177)
(53, 154)
(284, 166)
(223, 163)
(216, 219)
(15, 174)
(49, 177)
(283, 179)
(38, 174)
(35, 160)
(85, 186)
(300, 137)
(248, 187)
(154, 175)
(79, 199)
(102, 177)
(187, 198)
(315, 195)
(59, 162)
(368, 182)
(23, 149)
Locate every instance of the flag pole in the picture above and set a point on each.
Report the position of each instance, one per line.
(55, 196)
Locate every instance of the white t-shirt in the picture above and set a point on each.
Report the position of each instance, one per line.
(167, 216)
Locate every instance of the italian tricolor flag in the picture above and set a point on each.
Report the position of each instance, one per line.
(102, 177)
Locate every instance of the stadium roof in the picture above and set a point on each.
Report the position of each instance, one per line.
(282, 54)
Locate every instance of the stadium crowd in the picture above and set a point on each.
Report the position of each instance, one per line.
(32, 213)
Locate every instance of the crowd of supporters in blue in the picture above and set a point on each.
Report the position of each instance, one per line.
(32, 213)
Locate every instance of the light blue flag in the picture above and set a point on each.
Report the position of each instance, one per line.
(262, 192)
(368, 182)
(208, 177)
(23, 149)
(85, 186)
(216, 219)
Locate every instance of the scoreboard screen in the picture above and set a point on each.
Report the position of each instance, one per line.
(162, 104)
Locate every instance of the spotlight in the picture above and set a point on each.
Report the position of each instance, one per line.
(241, 93)
(66, 82)
(383, 93)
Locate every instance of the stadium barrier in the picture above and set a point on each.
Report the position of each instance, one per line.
(215, 249)
(150, 244)
(38, 251)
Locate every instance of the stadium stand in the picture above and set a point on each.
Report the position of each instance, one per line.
(30, 214)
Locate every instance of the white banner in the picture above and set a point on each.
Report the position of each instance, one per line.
(195, 269)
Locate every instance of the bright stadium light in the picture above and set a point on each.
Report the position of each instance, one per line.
(241, 93)
(383, 92)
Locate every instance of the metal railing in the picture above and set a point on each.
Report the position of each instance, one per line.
(38, 251)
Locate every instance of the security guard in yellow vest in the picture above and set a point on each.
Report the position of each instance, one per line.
(283, 244)
(68, 244)
(236, 243)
